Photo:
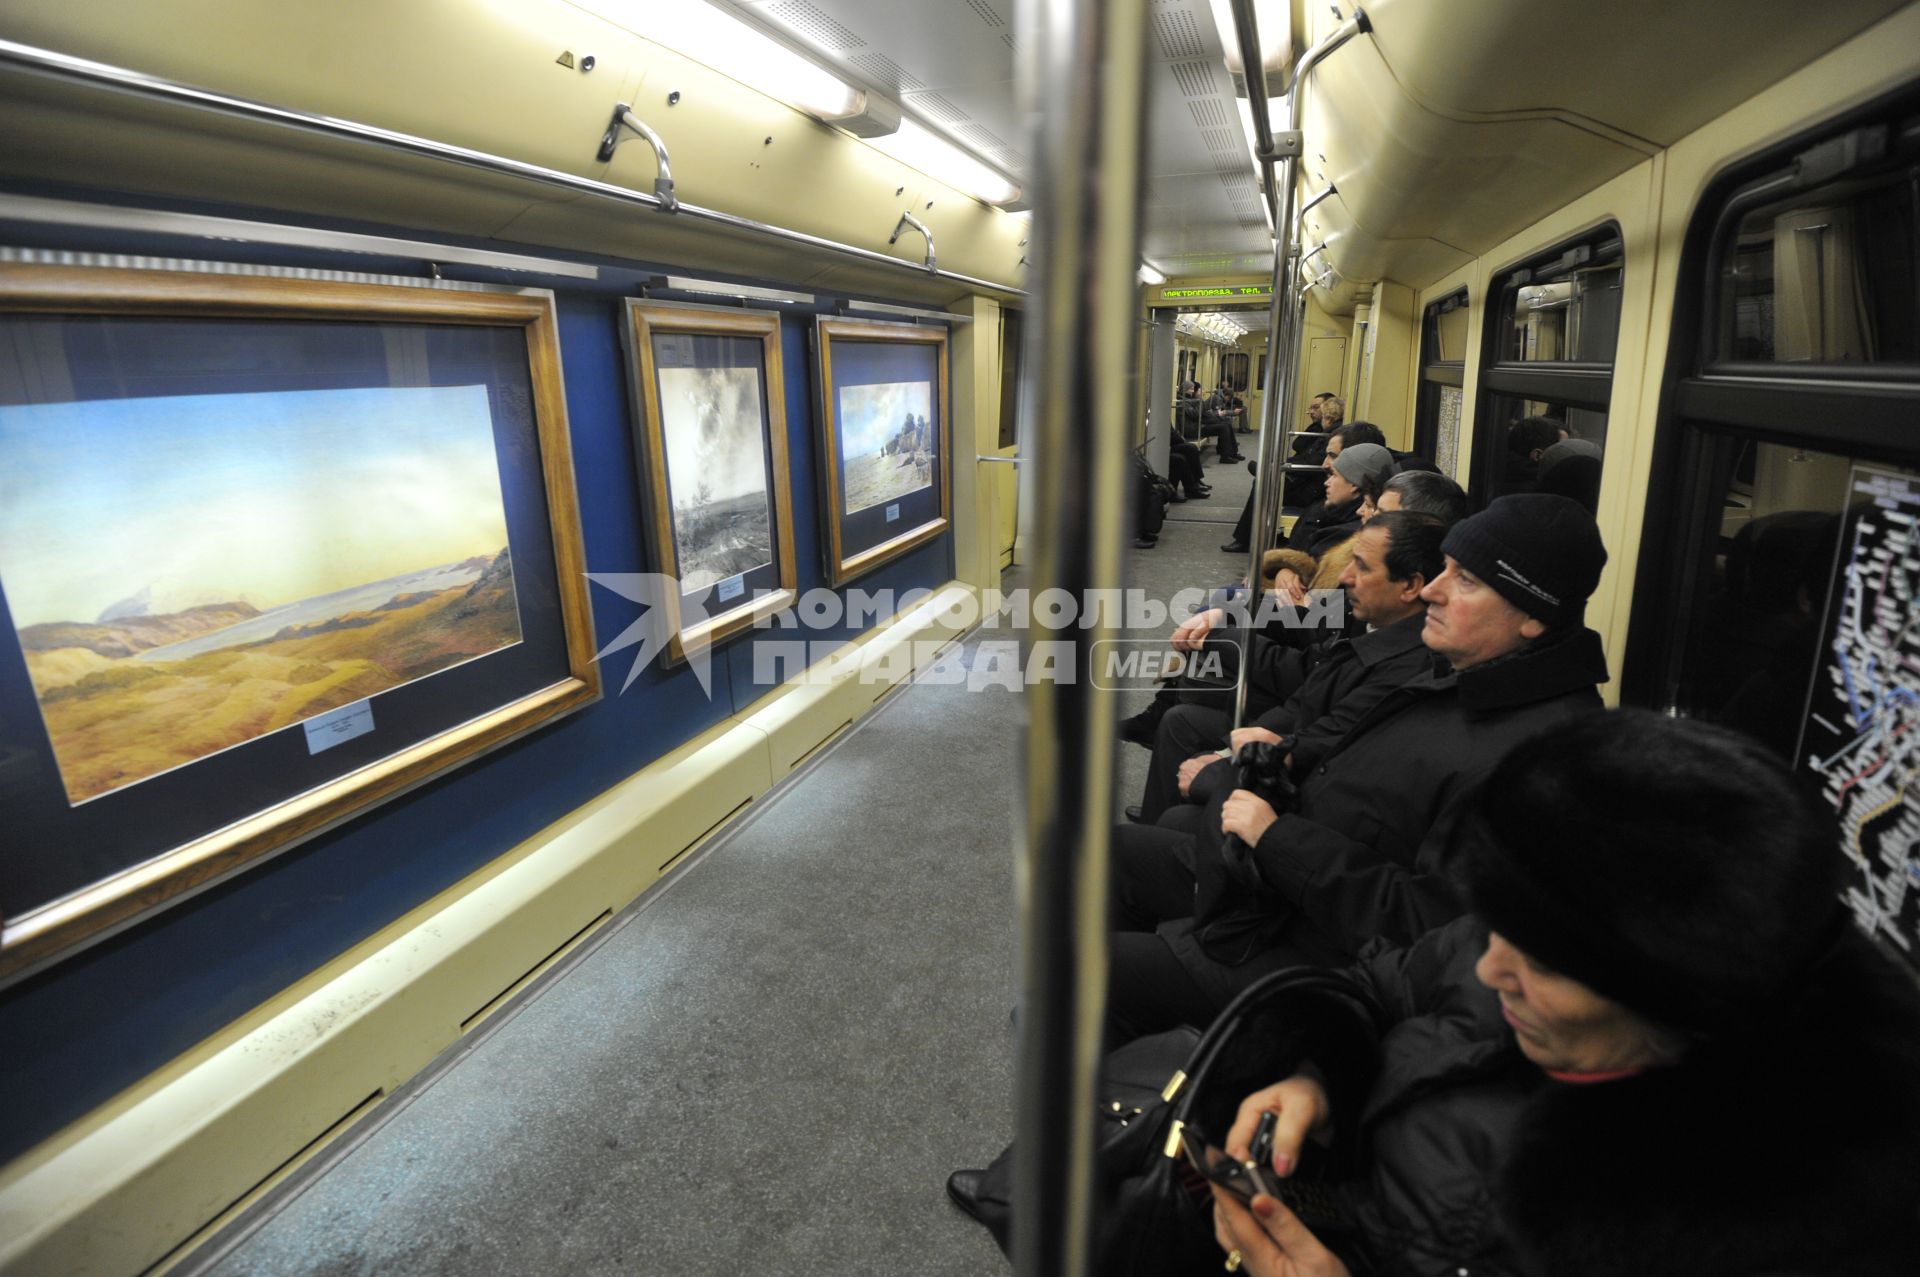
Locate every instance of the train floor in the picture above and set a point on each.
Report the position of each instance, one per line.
(771, 1061)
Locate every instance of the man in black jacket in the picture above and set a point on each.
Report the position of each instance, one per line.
(1321, 691)
(1360, 854)
(1320, 518)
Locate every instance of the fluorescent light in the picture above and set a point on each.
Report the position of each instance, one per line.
(1274, 21)
(731, 47)
(1150, 276)
(922, 148)
(1276, 110)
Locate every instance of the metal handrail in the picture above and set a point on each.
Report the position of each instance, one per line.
(38, 61)
(1284, 317)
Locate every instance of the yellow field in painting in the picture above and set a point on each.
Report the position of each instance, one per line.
(125, 720)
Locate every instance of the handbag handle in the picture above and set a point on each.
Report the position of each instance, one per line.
(1184, 1085)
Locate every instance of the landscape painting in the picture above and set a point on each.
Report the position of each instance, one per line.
(712, 423)
(187, 573)
(887, 442)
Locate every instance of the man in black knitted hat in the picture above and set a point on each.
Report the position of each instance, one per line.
(1361, 852)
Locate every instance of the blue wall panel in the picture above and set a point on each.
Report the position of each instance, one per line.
(97, 1022)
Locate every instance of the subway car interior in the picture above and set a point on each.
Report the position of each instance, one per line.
(765, 882)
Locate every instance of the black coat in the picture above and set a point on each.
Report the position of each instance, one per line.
(1789, 1149)
(1364, 853)
(1321, 692)
(1323, 525)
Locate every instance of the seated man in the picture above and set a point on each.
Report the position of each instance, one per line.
(1216, 420)
(1323, 690)
(1360, 854)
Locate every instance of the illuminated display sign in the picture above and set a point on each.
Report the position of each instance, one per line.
(1242, 290)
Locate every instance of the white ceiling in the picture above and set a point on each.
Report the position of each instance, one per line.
(950, 63)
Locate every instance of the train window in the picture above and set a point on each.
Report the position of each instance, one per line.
(1824, 276)
(1778, 589)
(1443, 352)
(1553, 324)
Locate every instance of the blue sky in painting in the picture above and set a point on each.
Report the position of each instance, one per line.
(263, 497)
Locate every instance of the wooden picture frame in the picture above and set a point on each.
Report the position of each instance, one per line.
(709, 388)
(225, 395)
(870, 375)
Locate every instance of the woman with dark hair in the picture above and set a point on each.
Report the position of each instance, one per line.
(1658, 1046)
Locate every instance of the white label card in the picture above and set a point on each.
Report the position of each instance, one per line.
(338, 726)
(731, 588)
(893, 512)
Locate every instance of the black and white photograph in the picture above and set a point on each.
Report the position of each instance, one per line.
(717, 470)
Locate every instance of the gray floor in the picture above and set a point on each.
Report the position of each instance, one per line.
(770, 1064)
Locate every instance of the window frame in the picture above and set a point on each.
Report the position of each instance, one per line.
(1435, 373)
(1586, 384)
(1708, 407)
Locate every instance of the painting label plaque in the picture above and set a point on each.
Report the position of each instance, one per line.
(337, 727)
(893, 512)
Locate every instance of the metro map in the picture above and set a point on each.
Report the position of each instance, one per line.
(1862, 735)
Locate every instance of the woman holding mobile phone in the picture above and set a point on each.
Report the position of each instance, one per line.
(1659, 1047)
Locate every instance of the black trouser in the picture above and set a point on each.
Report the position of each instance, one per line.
(1223, 438)
(1183, 466)
(1148, 990)
(1184, 731)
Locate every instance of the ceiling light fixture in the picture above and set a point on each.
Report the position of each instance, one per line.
(916, 145)
(733, 48)
(1150, 276)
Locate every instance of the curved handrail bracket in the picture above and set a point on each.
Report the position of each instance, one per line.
(623, 117)
(909, 220)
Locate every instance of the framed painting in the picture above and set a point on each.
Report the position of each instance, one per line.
(272, 550)
(884, 440)
(711, 440)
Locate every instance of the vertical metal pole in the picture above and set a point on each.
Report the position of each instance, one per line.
(1283, 317)
(1085, 67)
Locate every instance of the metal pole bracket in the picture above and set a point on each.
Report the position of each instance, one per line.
(623, 117)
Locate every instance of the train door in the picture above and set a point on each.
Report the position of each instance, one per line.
(1005, 478)
(1326, 363)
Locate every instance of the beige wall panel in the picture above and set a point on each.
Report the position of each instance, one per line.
(976, 433)
(483, 75)
(1390, 342)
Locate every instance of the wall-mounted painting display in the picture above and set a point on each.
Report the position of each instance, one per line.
(711, 439)
(883, 423)
(270, 551)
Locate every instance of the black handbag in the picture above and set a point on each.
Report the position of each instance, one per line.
(1157, 1213)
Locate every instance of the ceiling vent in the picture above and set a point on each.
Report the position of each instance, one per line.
(817, 26)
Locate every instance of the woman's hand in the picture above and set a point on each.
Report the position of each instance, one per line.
(1270, 1239)
(1288, 585)
(1247, 816)
(1244, 736)
(1300, 1109)
(1192, 632)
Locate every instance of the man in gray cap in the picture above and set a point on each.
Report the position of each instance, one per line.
(1359, 852)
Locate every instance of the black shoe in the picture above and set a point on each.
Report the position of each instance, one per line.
(1176, 499)
(1253, 467)
(1137, 816)
(963, 1190)
(1236, 547)
(1199, 492)
(1145, 543)
(1235, 457)
(1139, 729)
